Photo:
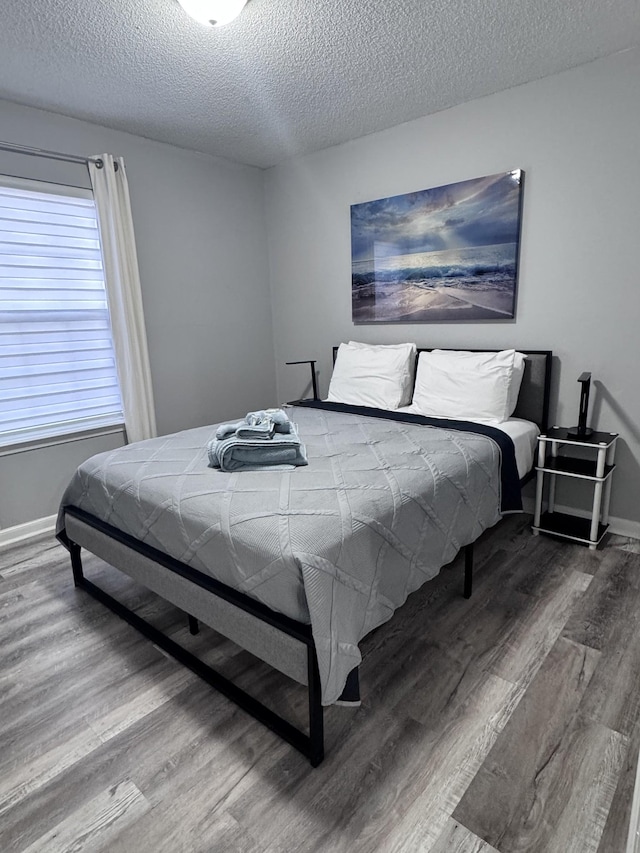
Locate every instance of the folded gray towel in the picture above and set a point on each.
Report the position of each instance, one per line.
(278, 417)
(225, 430)
(256, 425)
(261, 425)
(281, 452)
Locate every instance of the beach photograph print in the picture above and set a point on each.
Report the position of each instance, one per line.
(439, 255)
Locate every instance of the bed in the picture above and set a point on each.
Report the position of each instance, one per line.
(298, 566)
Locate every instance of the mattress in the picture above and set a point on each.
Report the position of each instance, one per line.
(339, 544)
(523, 434)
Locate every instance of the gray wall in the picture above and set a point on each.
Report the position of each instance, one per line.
(200, 230)
(577, 136)
(203, 257)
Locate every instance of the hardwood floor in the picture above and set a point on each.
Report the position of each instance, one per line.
(508, 722)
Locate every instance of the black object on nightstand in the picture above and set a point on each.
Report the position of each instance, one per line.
(593, 463)
(582, 430)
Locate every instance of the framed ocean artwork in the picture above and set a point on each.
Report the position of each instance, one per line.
(439, 255)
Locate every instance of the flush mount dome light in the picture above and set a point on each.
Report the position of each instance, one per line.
(213, 13)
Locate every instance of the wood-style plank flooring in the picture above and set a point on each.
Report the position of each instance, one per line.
(508, 722)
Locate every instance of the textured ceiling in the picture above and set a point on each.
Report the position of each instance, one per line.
(289, 76)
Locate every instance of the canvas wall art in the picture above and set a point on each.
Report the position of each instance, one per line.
(438, 255)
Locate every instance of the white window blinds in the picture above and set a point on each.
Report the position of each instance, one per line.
(57, 367)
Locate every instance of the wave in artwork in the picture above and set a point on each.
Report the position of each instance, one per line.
(465, 266)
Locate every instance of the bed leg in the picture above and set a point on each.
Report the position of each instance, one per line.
(76, 564)
(194, 628)
(468, 570)
(316, 721)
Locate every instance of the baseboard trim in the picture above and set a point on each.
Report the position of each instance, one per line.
(619, 526)
(30, 530)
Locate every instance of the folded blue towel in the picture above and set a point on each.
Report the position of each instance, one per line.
(225, 430)
(261, 425)
(281, 452)
(278, 418)
(260, 429)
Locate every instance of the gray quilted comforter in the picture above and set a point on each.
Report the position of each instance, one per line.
(339, 544)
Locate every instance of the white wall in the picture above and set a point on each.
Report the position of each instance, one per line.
(577, 136)
(200, 230)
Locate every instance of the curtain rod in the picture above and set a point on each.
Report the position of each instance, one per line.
(50, 155)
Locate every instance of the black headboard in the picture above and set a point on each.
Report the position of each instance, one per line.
(533, 399)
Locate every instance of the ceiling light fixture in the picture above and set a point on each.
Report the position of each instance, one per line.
(213, 13)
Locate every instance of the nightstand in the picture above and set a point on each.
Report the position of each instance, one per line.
(590, 460)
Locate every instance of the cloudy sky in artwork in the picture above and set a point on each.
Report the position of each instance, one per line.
(479, 212)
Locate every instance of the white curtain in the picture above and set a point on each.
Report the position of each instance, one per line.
(122, 279)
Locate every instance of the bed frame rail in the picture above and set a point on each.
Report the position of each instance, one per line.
(311, 745)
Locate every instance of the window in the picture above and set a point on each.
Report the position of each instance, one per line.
(57, 365)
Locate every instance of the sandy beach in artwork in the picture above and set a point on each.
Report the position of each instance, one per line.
(406, 302)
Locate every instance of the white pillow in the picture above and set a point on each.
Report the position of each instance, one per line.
(370, 375)
(468, 385)
(408, 369)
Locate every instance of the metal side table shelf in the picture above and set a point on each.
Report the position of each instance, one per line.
(593, 462)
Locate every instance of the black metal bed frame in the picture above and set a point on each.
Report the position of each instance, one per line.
(310, 745)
